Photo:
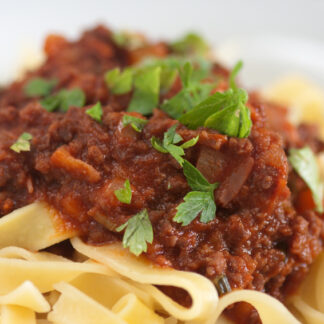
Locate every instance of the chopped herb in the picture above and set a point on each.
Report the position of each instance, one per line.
(195, 203)
(22, 143)
(39, 87)
(51, 103)
(168, 145)
(196, 180)
(190, 44)
(200, 201)
(74, 97)
(95, 112)
(124, 195)
(119, 82)
(136, 123)
(304, 162)
(191, 94)
(146, 91)
(64, 99)
(225, 112)
(138, 233)
(222, 285)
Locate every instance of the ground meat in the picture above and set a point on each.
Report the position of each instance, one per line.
(259, 239)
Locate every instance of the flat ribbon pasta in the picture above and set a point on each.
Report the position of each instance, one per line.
(17, 315)
(43, 269)
(203, 293)
(28, 296)
(74, 306)
(32, 227)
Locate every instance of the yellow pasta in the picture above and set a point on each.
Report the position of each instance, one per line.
(202, 291)
(74, 306)
(19, 228)
(133, 311)
(28, 296)
(17, 315)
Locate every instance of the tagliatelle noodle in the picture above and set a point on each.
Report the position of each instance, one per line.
(143, 272)
(25, 222)
(17, 315)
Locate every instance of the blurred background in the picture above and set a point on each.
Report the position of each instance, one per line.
(274, 38)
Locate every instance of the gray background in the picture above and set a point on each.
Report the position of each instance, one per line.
(272, 37)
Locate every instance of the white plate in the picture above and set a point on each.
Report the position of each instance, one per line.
(272, 37)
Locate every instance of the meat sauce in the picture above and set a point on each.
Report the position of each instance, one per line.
(262, 238)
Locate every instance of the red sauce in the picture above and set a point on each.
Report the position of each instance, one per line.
(260, 239)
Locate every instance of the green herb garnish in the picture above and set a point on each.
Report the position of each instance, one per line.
(304, 163)
(64, 99)
(95, 112)
(22, 143)
(119, 82)
(74, 97)
(190, 44)
(138, 233)
(225, 112)
(124, 195)
(146, 91)
(39, 87)
(168, 145)
(136, 123)
(200, 201)
(191, 94)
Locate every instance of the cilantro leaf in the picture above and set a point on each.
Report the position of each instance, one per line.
(95, 111)
(196, 180)
(119, 82)
(196, 202)
(170, 138)
(225, 112)
(22, 143)
(138, 233)
(304, 162)
(39, 87)
(190, 44)
(124, 195)
(146, 91)
(136, 123)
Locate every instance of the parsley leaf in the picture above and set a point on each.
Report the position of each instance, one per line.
(225, 112)
(170, 138)
(304, 162)
(136, 123)
(119, 82)
(22, 143)
(51, 103)
(196, 202)
(192, 93)
(196, 180)
(74, 97)
(95, 112)
(39, 87)
(138, 233)
(190, 44)
(64, 99)
(146, 91)
(124, 195)
(199, 201)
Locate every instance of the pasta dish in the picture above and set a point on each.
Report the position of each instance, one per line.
(141, 183)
